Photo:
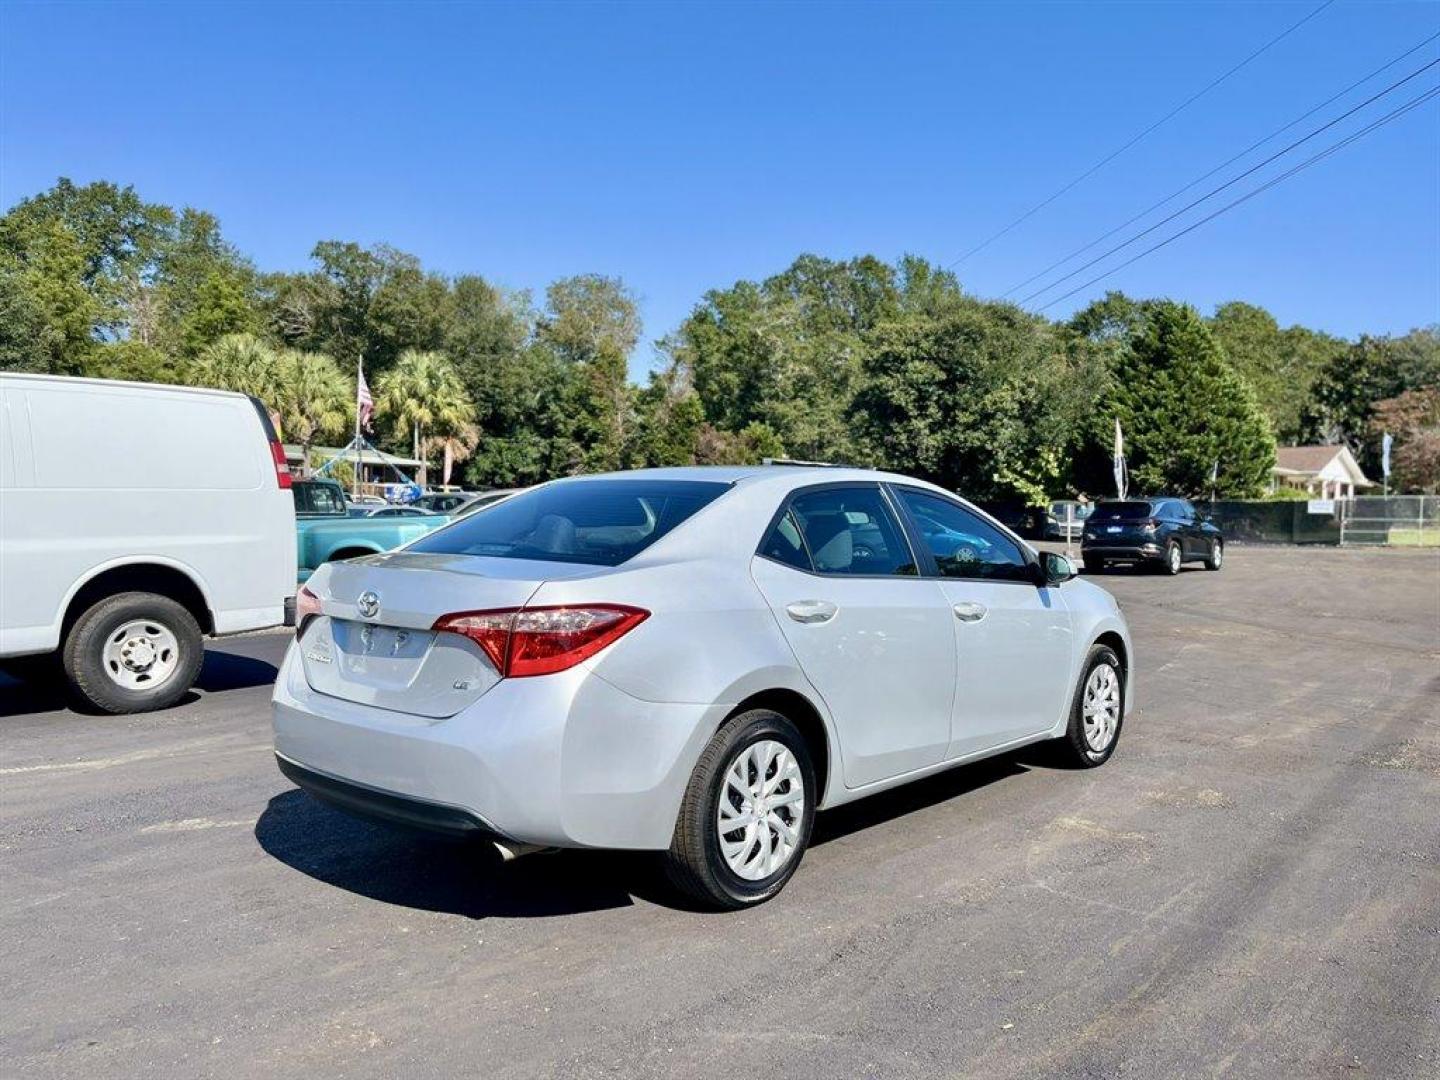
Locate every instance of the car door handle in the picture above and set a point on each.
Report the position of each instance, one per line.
(811, 611)
(970, 611)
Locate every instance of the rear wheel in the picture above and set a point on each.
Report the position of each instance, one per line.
(747, 813)
(133, 652)
(1098, 711)
(1173, 558)
(1094, 564)
(1216, 556)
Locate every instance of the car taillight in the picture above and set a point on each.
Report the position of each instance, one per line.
(542, 640)
(1148, 526)
(282, 467)
(307, 604)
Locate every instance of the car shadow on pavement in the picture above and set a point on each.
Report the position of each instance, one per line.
(428, 873)
(43, 689)
(918, 795)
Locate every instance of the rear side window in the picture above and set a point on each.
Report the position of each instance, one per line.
(785, 545)
(851, 531)
(601, 522)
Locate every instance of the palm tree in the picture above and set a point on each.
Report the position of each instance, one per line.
(423, 393)
(240, 362)
(314, 399)
(453, 447)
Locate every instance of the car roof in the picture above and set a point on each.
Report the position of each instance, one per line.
(778, 475)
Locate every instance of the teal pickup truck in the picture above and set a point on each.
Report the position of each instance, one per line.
(325, 531)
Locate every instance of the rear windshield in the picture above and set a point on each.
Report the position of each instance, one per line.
(602, 522)
(1122, 511)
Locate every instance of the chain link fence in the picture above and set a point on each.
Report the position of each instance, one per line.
(1398, 520)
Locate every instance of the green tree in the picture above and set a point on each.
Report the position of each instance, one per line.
(422, 395)
(1280, 365)
(239, 362)
(312, 397)
(985, 399)
(1413, 419)
(1342, 402)
(1183, 410)
(591, 324)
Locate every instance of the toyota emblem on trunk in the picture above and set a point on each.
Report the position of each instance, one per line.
(369, 603)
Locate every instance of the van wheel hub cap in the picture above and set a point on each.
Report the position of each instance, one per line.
(140, 654)
(1100, 708)
(762, 802)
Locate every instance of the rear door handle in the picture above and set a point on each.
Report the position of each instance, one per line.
(811, 611)
(970, 611)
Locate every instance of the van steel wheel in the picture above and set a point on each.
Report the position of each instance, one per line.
(747, 813)
(133, 652)
(1098, 711)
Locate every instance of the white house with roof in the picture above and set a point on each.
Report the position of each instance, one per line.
(1326, 472)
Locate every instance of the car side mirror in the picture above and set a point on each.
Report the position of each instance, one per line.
(1054, 569)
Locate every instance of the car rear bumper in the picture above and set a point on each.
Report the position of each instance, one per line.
(384, 806)
(1137, 552)
(563, 760)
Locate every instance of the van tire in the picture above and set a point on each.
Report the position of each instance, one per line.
(84, 653)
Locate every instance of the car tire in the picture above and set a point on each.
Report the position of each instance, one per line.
(730, 871)
(1173, 559)
(1080, 747)
(133, 652)
(1094, 564)
(1216, 558)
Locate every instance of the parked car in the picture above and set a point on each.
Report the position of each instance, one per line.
(1023, 519)
(460, 502)
(321, 537)
(136, 519)
(1065, 519)
(394, 511)
(693, 661)
(1160, 532)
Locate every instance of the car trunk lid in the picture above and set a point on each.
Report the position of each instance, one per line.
(373, 643)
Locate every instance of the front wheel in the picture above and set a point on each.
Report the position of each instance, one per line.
(133, 652)
(747, 813)
(1098, 712)
(1216, 556)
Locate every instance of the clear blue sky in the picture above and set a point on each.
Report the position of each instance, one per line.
(683, 147)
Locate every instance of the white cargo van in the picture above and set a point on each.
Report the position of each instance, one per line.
(133, 520)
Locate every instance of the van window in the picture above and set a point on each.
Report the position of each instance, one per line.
(130, 439)
(603, 522)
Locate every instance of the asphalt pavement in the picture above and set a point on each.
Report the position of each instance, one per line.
(1250, 888)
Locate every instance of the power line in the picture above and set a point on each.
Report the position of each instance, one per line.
(1414, 103)
(1218, 168)
(1229, 183)
(1167, 117)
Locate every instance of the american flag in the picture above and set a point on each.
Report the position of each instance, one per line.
(364, 403)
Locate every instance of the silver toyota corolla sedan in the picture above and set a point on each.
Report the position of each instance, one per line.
(692, 661)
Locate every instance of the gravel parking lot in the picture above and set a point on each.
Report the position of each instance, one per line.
(1250, 888)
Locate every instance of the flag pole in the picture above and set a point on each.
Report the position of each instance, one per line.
(359, 378)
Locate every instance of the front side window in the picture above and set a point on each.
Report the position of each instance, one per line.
(602, 522)
(851, 531)
(964, 544)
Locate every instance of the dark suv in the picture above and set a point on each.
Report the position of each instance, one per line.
(1160, 532)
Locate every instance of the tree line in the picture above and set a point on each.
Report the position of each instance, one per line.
(858, 360)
